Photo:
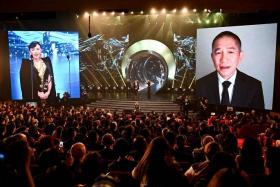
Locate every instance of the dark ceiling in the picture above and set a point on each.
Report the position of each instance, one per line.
(233, 6)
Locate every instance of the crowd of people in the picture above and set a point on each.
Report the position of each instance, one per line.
(80, 146)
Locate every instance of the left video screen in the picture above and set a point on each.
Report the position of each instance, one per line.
(44, 64)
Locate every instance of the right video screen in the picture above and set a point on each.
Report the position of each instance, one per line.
(235, 65)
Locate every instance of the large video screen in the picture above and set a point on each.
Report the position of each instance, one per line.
(219, 54)
(44, 64)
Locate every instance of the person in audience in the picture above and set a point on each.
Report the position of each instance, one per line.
(122, 163)
(219, 161)
(273, 165)
(139, 146)
(251, 161)
(108, 153)
(239, 89)
(36, 75)
(41, 128)
(198, 153)
(201, 169)
(182, 152)
(78, 152)
(157, 167)
(227, 177)
(18, 156)
(92, 167)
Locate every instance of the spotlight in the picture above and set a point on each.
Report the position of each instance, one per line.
(184, 10)
(153, 11)
(86, 14)
(95, 13)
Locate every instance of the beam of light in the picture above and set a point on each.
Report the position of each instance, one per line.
(110, 76)
(183, 80)
(192, 82)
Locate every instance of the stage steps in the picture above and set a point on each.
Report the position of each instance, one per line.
(128, 105)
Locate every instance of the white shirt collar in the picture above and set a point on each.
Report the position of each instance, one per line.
(230, 88)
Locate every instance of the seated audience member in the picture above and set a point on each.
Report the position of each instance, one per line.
(198, 153)
(139, 146)
(92, 167)
(219, 161)
(157, 168)
(121, 167)
(18, 156)
(105, 181)
(251, 161)
(200, 169)
(227, 177)
(108, 153)
(183, 153)
(122, 164)
(78, 152)
(273, 165)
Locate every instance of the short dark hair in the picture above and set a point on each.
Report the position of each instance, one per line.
(33, 44)
(228, 34)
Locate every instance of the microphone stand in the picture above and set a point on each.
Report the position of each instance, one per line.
(31, 69)
(68, 58)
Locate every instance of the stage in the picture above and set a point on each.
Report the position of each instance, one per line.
(167, 102)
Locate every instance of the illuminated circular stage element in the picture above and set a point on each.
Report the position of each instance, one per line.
(149, 60)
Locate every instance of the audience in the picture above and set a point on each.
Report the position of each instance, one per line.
(157, 167)
(75, 146)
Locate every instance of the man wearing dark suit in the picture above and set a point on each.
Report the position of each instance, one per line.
(227, 85)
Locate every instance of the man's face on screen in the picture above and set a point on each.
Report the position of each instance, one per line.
(226, 56)
(36, 52)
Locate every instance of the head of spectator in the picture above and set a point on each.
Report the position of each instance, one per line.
(171, 138)
(139, 146)
(17, 150)
(211, 149)
(121, 147)
(92, 167)
(108, 140)
(105, 181)
(78, 151)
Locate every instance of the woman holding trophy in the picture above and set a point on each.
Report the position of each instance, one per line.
(36, 75)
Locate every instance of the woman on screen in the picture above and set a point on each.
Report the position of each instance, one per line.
(36, 75)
